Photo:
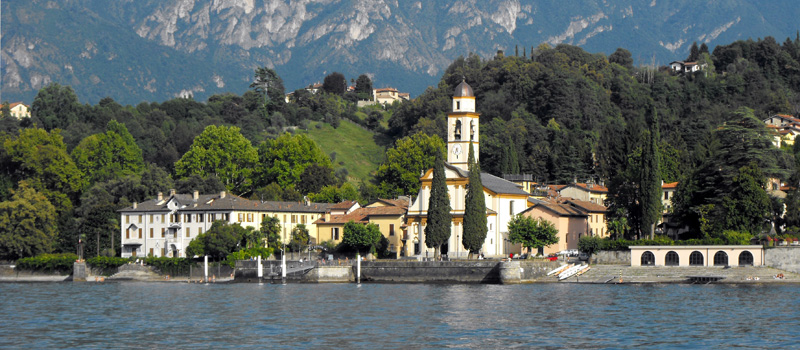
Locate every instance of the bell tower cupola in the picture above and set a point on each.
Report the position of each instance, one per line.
(463, 127)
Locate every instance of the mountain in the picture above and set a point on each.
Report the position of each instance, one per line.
(153, 50)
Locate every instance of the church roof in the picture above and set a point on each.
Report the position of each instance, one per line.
(463, 90)
(490, 182)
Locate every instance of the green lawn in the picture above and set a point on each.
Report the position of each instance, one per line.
(355, 147)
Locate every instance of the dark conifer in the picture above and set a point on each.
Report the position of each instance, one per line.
(437, 230)
(474, 209)
(650, 178)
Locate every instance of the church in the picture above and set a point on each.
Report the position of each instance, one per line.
(504, 199)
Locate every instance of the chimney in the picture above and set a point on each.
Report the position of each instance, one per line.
(574, 180)
(328, 216)
(172, 192)
(196, 195)
(135, 205)
(160, 196)
(222, 194)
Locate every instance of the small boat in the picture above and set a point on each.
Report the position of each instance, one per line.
(569, 272)
(558, 269)
(581, 272)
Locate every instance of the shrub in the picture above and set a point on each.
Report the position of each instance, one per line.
(589, 244)
(106, 263)
(170, 266)
(61, 263)
(736, 238)
(246, 254)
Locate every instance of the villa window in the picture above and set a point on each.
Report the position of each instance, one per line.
(720, 259)
(163, 232)
(672, 259)
(140, 233)
(127, 219)
(335, 233)
(128, 234)
(391, 229)
(696, 259)
(151, 232)
(648, 259)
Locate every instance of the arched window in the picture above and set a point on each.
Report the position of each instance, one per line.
(745, 258)
(696, 259)
(472, 130)
(648, 259)
(457, 131)
(672, 259)
(721, 259)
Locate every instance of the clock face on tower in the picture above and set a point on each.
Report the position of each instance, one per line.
(457, 149)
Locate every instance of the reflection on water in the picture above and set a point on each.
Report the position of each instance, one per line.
(332, 316)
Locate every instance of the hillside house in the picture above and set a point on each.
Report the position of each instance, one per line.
(19, 110)
(686, 67)
(388, 95)
(590, 192)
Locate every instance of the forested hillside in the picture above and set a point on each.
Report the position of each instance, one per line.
(559, 113)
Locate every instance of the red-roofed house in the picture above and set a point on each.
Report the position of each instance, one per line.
(19, 110)
(590, 192)
(387, 214)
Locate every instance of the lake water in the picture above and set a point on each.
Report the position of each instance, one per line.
(381, 316)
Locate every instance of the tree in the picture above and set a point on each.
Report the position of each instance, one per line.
(589, 244)
(271, 231)
(27, 224)
(55, 107)
(269, 85)
(621, 57)
(650, 181)
(333, 194)
(314, 178)
(364, 87)
(109, 155)
(475, 227)
(437, 231)
(300, 238)
(284, 159)
(405, 162)
(223, 152)
(361, 237)
(748, 206)
(219, 241)
(694, 53)
(532, 233)
(41, 158)
(335, 83)
(98, 220)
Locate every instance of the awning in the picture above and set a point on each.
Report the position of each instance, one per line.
(132, 244)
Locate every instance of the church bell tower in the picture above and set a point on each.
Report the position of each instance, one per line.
(462, 127)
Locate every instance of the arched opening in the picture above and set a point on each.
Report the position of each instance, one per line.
(648, 259)
(696, 259)
(457, 131)
(721, 259)
(672, 259)
(472, 130)
(745, 258)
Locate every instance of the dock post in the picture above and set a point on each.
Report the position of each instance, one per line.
(358, 268)
(260, 270)
(283, 267)
(205, 270)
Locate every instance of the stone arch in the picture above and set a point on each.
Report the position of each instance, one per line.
(721, 259)
(696, 259)
(672, 259)
(648, 259)
(745, 258)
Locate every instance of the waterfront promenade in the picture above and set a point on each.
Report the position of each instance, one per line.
(669, 274)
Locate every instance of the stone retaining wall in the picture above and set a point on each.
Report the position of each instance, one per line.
(481, 271)
(784, 258)
(612, 257)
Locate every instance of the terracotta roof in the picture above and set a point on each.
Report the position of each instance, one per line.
(670, 185)
(14, 104)
(559, 209)
(386, 89)
(362, 215)
(391, 202)
(588, 206)
(343, 205)
(589, 187)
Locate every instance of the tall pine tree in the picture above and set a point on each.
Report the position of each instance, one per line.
(474, 209)
(650, 179)
(437, 230)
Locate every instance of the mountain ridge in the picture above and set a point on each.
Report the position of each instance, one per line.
(149, 50)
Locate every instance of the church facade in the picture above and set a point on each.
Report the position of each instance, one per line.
(503, 198)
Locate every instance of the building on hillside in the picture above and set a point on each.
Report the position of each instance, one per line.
(669, 192)
(164, 226)
(504, 199)
(786, 128)
(686, 67)
(19, 110)
(590, 192)
(388, 95)
(387, 214)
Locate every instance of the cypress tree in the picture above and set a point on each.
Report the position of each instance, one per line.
(437, 230)
(650, 181)
(474, 209)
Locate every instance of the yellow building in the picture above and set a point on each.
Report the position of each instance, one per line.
(590, 192)
(387, 214)
(570, 221)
